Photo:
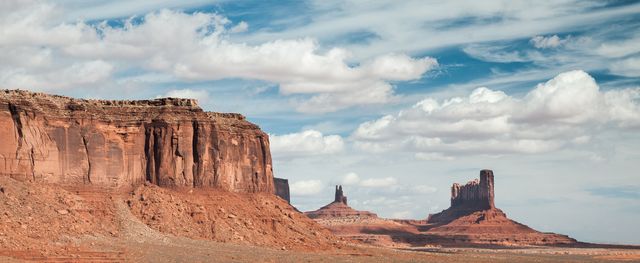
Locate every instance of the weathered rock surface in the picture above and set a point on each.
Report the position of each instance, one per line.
(168, 142)
(339, 209)
(476, 195)
(473, 218)
(282, 188)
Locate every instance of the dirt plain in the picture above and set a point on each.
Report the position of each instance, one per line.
(51, 223)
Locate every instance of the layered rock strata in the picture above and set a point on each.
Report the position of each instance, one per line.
(110, 143)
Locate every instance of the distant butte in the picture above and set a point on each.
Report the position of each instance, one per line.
(339, 209)
(472, 219)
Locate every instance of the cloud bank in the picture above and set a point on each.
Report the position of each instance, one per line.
(42, 54)
(566, 110)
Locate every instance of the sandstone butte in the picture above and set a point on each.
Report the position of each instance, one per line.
(110, 143)
(472, 219)
(339, 209)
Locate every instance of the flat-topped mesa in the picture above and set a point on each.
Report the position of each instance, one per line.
(339, 196)
(475, 194)
(112, 143)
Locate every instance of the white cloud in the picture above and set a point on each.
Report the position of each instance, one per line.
(617, 49)
(547, 42)
(72, 76)
(350, 179)
(548, 118)
(201, 95)
(379, 182)
(240, 27)
(354, 179)
(443, 23)
(496, 53)
(308, 187)
(305, 143)
(197, 47)
(433, 157)
(629, 67)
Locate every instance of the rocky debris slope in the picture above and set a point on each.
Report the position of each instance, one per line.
(47, 221)
(259, 219)
(169, 142)
(44, 218)
(338, 209)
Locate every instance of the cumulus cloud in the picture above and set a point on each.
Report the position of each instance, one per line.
(305, 143)
(196, 47)
(547, 41)
(309, 187)
(240, 27)
(350, 179)
(564, 111)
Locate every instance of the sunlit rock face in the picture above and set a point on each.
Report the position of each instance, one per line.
(474, 215)
(168, 142)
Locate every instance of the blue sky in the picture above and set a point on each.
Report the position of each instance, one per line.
(395, 100)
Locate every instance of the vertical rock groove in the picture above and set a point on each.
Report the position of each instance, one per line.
(15, 116)
(196, 155)
(86, 150)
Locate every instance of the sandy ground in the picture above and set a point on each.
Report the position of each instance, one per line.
(139, 243)
(53, 225)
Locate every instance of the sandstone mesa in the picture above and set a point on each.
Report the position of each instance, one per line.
(168, 142)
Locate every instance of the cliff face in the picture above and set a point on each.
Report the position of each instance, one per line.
(475, 194)
(168, 142)
(282, 188)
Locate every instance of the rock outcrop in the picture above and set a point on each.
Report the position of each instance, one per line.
(475, 194)
(339, 209)
(339, 196)
(168, 142)
(282, 188)
(473, 218)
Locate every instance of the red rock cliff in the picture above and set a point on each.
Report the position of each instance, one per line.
(477, 193)
(168, 142)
